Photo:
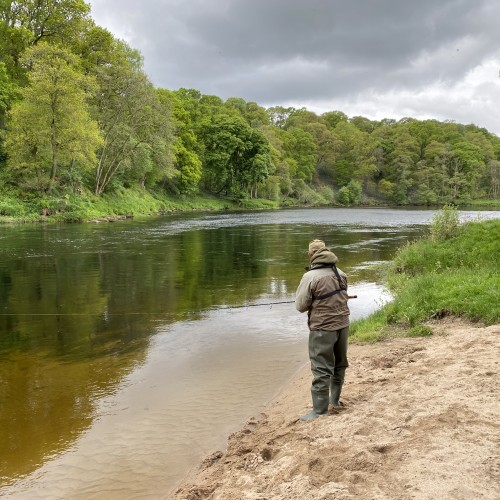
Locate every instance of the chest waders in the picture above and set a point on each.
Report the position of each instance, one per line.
(321, 353)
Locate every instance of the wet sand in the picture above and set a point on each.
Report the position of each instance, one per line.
(421, 421)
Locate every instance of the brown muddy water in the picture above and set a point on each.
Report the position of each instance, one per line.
(130, 351)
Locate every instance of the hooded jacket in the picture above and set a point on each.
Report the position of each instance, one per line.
(323, 294)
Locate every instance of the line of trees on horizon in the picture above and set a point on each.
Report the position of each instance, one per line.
(78, 115)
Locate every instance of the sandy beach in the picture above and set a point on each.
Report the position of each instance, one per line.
(421, 421)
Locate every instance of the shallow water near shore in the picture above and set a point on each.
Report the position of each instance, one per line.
(130, 351)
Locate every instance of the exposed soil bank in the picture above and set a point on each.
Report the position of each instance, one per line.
(421, 421)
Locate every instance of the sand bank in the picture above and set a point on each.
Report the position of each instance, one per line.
(421, 421)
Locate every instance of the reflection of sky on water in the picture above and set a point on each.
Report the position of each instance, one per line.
(368, 219)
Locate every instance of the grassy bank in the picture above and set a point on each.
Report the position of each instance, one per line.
(452, 272)
(486, 203)
(123, 203)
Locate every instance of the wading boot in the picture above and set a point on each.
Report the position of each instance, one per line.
(336, 383)
(320, 407)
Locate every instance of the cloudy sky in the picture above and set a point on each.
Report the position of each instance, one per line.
(376, 58)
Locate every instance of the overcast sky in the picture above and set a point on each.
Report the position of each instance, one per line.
(376, 58)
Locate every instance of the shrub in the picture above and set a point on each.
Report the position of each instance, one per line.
(445, 224)
(350, 194)
(343, 196)
(11, 207)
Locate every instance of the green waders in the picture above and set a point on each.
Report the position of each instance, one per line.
(336, 383)
(328, 355)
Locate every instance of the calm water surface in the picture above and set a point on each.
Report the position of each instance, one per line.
(129, 351)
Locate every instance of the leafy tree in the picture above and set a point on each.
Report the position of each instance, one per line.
(283, 166)
(50, 128)
(326, 148)
(363, 124)
(187, 161)
(351, 150)
(24, 24)
(278, 115)
(424, 133)
(255, 115)
(7, 95)
(386, 188)
(333, 118)
(342, 172)
(355, 192)
(97, 48)
(350, 194)
(465, 164)
(300, 147)
(135, 125)
(236, 157)
(494, 178)
(7, 92)
(343, 196)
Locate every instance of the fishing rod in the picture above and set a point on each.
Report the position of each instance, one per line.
(273, 303)
(151, 313)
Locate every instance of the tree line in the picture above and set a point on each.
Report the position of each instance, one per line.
(78, 115)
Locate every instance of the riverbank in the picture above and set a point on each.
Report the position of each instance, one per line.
(421, 420)
(124, 203)
(129, 203)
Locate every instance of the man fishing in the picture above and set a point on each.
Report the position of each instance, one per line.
(323, 293)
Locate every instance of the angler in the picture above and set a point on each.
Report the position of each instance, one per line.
(322, 292)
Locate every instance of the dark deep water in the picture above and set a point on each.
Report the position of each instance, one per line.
(122, 361)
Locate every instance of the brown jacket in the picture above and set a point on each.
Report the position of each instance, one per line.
(321, 293)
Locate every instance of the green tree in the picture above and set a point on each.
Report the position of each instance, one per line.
(343, 196)
(424, 133)
(24, 24)
(8, 93)
(300, 147)
(236, 157)
(136, 126)
(50, 128)
(255, 115)
(187, 161)
(494, 178)
(278, 115)
(282, 167)
(333, 118)
(351, 146)
(465, 165)
(350, 194)
(363, 124)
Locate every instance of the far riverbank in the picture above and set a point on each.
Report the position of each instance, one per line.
(130, 203)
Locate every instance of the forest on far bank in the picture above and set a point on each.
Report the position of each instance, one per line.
(79, 118)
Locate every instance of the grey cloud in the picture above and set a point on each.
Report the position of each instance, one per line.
(277, 51)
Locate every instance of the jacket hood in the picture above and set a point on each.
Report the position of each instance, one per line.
(323, 256)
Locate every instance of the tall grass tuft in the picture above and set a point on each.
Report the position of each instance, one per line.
(445, 223)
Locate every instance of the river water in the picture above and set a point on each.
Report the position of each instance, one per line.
(129, 351)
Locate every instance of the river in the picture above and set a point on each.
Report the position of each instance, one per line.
(129, 351)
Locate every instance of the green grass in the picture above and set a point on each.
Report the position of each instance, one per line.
(83, 207)
(482, 203)
(87, 207)
(433, 279)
